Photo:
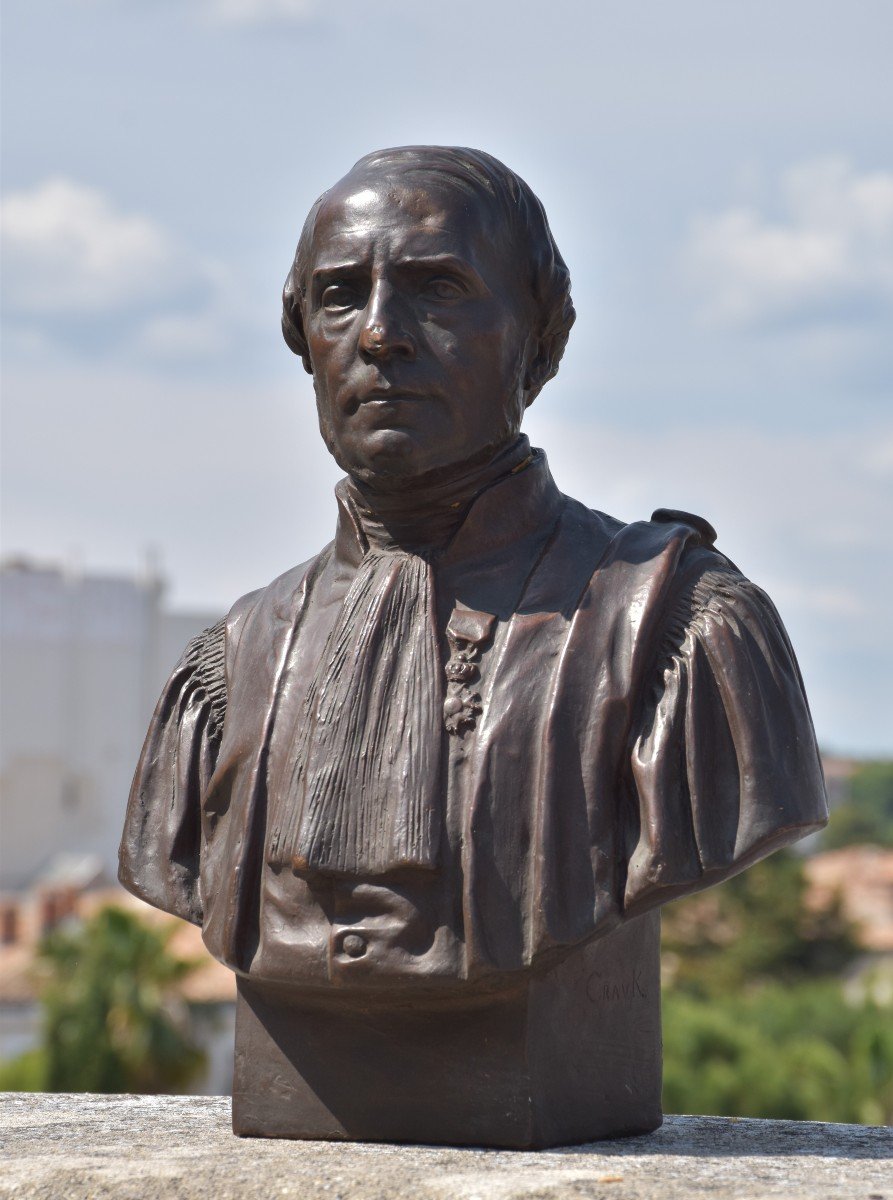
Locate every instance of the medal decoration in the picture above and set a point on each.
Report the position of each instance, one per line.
(467, 631)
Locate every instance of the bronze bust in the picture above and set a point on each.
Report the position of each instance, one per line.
(426, 792)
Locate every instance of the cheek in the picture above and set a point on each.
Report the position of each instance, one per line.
(331, 350)
(476, 350)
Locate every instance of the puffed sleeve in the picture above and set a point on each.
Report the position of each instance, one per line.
(159, 855)
(725, 766)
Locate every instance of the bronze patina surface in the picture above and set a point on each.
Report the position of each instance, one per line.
(426, 792)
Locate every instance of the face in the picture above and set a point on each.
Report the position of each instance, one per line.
(417, 326)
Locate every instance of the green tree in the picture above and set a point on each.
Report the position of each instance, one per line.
(112, 1017)
(755, 928)
(756, 1020)
(866, 815)
(801, 1052)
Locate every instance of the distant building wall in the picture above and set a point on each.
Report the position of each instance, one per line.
(82, 659)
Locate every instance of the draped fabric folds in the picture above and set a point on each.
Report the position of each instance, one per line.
(160, 850)
(723, 763)
(365, 787)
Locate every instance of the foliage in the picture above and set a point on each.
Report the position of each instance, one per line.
(866, 815)
(111, 1019)
(800, 1052)
(756, 927)
(756, 1019)
(27, 1073)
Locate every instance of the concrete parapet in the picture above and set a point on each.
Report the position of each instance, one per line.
(146, 1147)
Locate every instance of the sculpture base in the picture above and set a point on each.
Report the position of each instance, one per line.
(569, 1055)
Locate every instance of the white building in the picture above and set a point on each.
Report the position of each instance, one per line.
(82, 660)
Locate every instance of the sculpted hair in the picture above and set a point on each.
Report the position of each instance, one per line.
(518, 211)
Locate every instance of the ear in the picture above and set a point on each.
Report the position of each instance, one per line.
(293, 323)
(539, 369)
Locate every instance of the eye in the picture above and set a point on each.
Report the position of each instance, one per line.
(441, 287)
(338, 297)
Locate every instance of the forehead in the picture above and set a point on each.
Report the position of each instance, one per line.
(405, 214)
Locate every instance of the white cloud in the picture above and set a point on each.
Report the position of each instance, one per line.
(828, 254)
(827, 602)
(175, 338)
(76, 264)
(67, 249)
(258, 12)
(879, 456)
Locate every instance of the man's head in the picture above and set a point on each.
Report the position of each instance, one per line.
(430, 303)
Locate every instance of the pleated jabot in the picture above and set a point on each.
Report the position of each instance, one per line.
(365, 791)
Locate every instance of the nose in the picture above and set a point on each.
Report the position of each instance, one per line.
(384, 334)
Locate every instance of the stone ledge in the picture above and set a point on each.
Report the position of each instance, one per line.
(144, 1147)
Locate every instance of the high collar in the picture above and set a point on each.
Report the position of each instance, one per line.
(424, 519)
(517, 503)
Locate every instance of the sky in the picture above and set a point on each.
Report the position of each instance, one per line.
(718, 176)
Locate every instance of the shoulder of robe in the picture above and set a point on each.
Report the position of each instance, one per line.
(205, 660)
(675, 546)
(238, 614)
(279, 601)
(676, 516)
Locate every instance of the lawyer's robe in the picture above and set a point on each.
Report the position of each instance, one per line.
(643, 734)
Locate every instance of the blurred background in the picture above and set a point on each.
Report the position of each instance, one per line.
(719, 178)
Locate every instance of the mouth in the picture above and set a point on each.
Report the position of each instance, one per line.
(389, 395)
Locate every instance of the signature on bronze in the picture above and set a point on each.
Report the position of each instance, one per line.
(629, 988)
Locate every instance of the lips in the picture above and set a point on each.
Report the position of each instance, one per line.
(379, 394)
(389, 395)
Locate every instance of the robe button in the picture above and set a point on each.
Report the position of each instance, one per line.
(353, 945)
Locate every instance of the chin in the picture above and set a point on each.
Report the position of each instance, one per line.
(388, 458)
(393, 459)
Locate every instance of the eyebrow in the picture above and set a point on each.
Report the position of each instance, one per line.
(435, 260)
(407, 260)
(327, 270)
(327, 273)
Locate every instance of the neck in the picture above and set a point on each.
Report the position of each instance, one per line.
(427, 517)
